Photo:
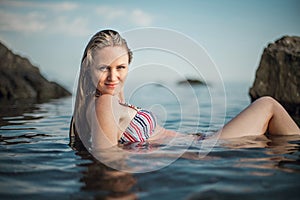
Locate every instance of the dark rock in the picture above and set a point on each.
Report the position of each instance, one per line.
(191, 82)
(278, 74)
(19, 79)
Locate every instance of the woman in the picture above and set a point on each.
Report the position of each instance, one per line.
(102, 119)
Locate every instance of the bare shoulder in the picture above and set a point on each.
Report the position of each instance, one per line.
(106, 102)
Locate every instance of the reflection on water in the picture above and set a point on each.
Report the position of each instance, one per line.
(14, 112)
(280, 152)
(36, 162)
(104, 181)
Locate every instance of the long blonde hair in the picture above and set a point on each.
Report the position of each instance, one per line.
(86, 89)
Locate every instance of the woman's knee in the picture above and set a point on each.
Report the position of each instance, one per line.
(266, 102)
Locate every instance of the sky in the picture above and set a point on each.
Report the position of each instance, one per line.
(233, 33)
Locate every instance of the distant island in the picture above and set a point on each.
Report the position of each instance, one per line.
(191, 81)
(19, 79)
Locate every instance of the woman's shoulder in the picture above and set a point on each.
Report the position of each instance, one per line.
(106, 98)
(106, 102)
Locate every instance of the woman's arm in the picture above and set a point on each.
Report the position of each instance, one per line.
(163, 135)
(107, 114)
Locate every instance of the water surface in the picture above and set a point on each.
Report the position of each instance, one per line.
(36, 161)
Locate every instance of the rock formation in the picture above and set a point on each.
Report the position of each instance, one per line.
(191, 81)
(278, 74)
(19, 79)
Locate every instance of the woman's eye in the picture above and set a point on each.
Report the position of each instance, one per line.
(103, 68)
(121, 67)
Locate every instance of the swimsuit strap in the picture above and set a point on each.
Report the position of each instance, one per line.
(130, 106)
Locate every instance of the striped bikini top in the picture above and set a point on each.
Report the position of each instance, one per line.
(140, 128)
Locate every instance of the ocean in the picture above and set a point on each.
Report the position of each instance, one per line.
(36, 161)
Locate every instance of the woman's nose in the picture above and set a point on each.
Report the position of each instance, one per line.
(113, 75)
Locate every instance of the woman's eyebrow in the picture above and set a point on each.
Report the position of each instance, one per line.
(122, 64)
(103, 65)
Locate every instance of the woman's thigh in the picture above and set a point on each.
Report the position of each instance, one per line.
(253, 120)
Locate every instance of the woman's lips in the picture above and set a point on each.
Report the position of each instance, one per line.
(111, 85)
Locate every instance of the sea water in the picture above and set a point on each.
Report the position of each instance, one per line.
(36, 161)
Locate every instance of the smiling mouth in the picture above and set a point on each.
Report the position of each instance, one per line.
(111, 85)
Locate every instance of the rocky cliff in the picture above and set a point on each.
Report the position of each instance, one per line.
(19, 79)
(278, 74)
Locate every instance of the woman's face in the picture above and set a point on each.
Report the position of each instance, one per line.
(109, 69)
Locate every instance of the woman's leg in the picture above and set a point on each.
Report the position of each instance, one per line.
(264, 114)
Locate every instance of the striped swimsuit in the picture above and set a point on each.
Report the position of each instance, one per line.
(140, 128)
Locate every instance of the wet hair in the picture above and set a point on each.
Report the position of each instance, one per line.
(87, 88)
(105, 38)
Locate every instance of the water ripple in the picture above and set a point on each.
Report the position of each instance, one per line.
(37, 163)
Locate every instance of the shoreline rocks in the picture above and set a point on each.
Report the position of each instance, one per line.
(191, 81)
(278, 74)
(19, 79)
